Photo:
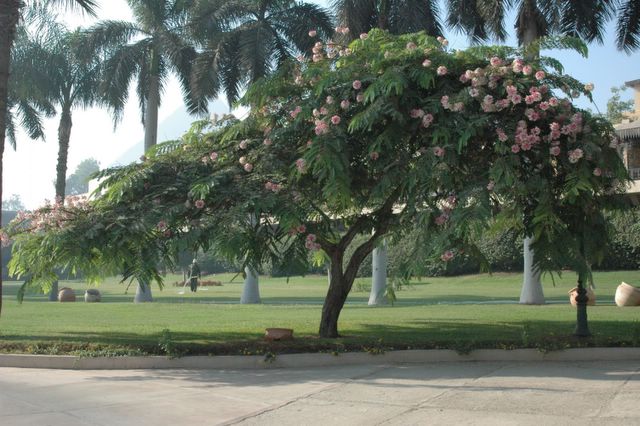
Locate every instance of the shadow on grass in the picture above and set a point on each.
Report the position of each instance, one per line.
(374, 338)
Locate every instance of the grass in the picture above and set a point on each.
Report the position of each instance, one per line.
(475, 311)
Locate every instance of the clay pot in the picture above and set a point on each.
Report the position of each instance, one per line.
(66, 294)
(573, 293)
(627, 295)
(92, 295)
(278, 334)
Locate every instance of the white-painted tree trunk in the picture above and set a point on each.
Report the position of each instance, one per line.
(379, 275)
(143, 293)
(531, 293)
(251, 290)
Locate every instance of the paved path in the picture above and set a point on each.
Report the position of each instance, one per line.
(469, 393)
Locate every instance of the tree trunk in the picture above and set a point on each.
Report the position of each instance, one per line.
(383, 14)
(528, 22)
(64, 135)
(251, 289)
(379, 275)
(531, 293)
(334, 300)
(153, 102)
(143, 293)
(9, 15)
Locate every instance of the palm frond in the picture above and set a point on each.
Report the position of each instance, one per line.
(465, 18)
(107, 36)
(408, 16)
(88, 6)
(293, 25)
(628, 27)
(359, 15)
(586, 18)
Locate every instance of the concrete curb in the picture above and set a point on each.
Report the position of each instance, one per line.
(242, 362)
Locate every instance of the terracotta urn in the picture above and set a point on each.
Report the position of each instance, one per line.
(627, 295)
(573, 293)
(66, 294)
(92, 295)
(278, 334)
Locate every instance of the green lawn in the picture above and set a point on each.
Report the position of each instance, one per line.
(456, 312)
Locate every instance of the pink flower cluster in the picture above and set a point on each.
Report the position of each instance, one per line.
(525, 139)
(4, 239)
(210, 158)
(447, 256)
(310, 242)
(297, 110)
(342, 30)
(300, 229)
(301, 165)
(199, 204)
(575, 155)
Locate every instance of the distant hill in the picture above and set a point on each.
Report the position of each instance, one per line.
(171, 128)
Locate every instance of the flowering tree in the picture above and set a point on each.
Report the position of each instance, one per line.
(389, 134)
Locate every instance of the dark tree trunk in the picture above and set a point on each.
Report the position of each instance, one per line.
(9, 15)
(335, 298)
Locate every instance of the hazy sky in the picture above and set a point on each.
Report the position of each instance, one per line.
(30, 170)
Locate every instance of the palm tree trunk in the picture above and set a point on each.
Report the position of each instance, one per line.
(531, 293)
(153, 101)
(379, 275)
(64, 135)
(251, 289)
(9, 15)
(383, 14)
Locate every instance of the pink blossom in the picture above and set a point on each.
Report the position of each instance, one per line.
(426, 63)
(540, 75)
(411, 46)
(516, 99)
(321, 127)
(242, 161)
(312, 33)
(296, 111)
(329, 100)
(364, 36)
(335, 119)
(243, 144)
(544, 106)
(324, 111)
(575, 155)
(301, 165)
(301, 229)
(345, 104)
(529, 99)
(511, 90)
(248, 167)
(162, 225)
(416, 113)
(213, 156)
(357, 84)
(553, 102)
(205, 159)
(474, 92)
(597, 171)
(360, 97)
(502, 136)
(515, 148)
(311, 237)
(554, 150)
(589, 87)
(495, 61)
(491, 185)
(317, 57)
(268, 185)
(199, 204)
(445, 101)
(458, 106)
(374, 155)
(167, 233)
(427, 120)
(527, 69)
(267, 142)
(447, 256)
(441, 70)
(438, 151)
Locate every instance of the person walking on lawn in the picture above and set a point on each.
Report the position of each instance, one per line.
(194, 275)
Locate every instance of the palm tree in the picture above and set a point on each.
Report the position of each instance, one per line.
(245, 40)
(10, 12)
(396, 16)
(146, 50)
(65, 81)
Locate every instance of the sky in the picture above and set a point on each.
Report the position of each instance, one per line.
(30, 170)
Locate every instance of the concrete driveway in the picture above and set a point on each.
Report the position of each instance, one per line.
(447, 393)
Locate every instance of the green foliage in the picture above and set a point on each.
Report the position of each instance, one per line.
(616, 107)
(78, 181)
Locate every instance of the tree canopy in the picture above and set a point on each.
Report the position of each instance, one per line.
(388, 134)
